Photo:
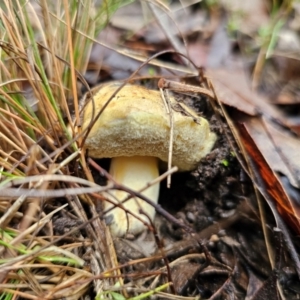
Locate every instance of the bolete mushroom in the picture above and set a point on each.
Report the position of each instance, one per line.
(134, 131)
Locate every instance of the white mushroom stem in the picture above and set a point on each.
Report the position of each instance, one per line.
(133, 172)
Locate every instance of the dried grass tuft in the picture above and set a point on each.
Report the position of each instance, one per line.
(44, 47)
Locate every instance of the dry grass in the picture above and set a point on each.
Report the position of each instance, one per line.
(42, 58)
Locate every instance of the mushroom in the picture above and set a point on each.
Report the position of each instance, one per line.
(134, 131)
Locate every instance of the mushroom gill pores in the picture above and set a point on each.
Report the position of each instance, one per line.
(134, 130)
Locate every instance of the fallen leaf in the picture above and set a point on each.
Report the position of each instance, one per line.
(233, 88)
(271, 184)
(220, 47)
(279, 148)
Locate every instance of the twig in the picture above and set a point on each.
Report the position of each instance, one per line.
(184, 88)
(169, 110)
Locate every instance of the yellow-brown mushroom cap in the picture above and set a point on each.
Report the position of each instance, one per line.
(136, 123)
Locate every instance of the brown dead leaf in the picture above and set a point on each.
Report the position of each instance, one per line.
(233, 88)
(220, 47)
(279, 148)
(139, 19)
(271, 184)
(288, 146)
(183, 274)
(198, 52)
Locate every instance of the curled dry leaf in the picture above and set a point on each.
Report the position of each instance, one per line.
(271, 183)
(279, 147)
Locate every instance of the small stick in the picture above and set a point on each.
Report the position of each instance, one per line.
(167, 104)
(182, 87)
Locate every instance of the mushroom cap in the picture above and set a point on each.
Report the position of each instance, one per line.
(136, 122)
